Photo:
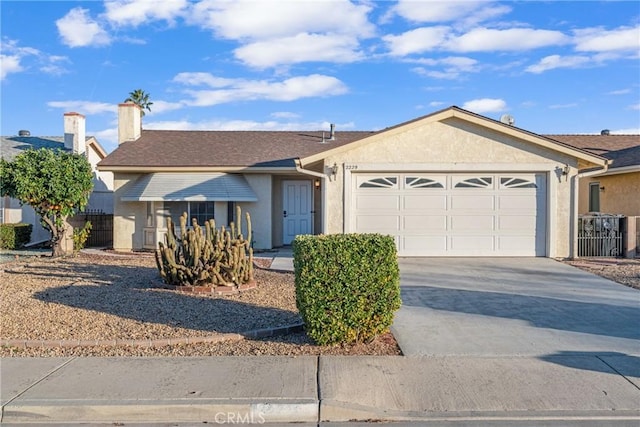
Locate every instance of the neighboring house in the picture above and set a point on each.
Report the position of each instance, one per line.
(452, 183)
(74, 140)
(615, 190)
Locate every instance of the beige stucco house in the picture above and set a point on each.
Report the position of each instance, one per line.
(615, 190)
(452, 183)
(74, 140)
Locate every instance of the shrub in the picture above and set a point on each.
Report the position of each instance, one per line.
(219, 257)
(347, 285)
(80, 236)
(15, 236)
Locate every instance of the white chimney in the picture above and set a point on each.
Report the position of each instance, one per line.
(75, 133)
(129, 122)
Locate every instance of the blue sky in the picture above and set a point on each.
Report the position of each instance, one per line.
(556, 67)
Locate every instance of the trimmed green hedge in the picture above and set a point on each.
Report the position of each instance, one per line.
(15, 236)
(347, 285)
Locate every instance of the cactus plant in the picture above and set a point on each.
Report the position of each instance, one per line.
(218, 257)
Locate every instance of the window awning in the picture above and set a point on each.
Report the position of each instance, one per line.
(193, 187)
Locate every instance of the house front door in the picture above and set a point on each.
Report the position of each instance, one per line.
(297, 207)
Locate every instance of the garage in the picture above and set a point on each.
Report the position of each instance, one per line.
(454, 214)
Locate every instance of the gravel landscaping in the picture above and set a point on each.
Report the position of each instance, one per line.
(111, 298)
(624, 271)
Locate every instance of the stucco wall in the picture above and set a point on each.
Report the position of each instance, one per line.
(621, 194)
(459, 146)
(260, 211)
(128, 217)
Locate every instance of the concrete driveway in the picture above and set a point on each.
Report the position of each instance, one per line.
(513, 307)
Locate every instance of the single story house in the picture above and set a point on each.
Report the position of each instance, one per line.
(452, 183)
(75, 140)
(615, 190)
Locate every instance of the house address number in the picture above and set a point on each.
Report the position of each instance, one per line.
(351, 167)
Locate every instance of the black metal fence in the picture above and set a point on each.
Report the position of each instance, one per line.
(601, 235)
(101, 234)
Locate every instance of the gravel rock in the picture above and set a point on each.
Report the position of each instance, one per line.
(624, 271)
(120, 297)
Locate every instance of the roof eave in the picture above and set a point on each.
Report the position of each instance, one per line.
(151, 169)
(620, 170)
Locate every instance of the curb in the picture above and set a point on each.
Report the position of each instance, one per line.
(192, 411)
(162, 342)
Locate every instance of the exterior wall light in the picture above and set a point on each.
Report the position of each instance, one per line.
(334, 169)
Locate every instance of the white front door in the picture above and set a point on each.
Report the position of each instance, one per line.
(297, 207)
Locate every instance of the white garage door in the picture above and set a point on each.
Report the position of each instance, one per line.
(470, 214)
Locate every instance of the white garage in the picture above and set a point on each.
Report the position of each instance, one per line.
(454, 214)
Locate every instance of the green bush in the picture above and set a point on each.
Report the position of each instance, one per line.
(15, 236)
(347, 285)
(80, 236)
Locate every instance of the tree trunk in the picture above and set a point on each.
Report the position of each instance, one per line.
(62, 241)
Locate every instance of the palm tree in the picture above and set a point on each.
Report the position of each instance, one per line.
(141, 99)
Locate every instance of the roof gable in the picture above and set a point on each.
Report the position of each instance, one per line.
(469, 117)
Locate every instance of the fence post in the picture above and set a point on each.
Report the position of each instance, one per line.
(631, 237)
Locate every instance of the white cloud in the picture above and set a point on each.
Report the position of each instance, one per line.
(84, 107)
(275, 32)
(481, 39)
(78, 29)
(443, 11)
(108, 138)
(635, 106)
(485, 105)
(16, 58)
(54, 65)
(416, 41)
(257, 20)
(160, 106)
(136, 12)
(436, 103)
(9, 64)
(315, 85)
(200, 79)
(303, 47)
(627, 131)
(284, 115)
(512, 39)
(619, 92)
(561, 106)
(600, 40)
(453, 67)
(556, 61)
(244, 125)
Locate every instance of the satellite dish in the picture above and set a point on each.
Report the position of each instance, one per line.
(507, 119)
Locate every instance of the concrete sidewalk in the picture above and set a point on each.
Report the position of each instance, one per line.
(586, 390)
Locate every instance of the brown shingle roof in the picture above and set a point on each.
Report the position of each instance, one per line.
(624, 150)
(170, 148)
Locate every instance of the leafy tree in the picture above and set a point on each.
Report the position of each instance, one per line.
(141, 99)
(56, 184)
